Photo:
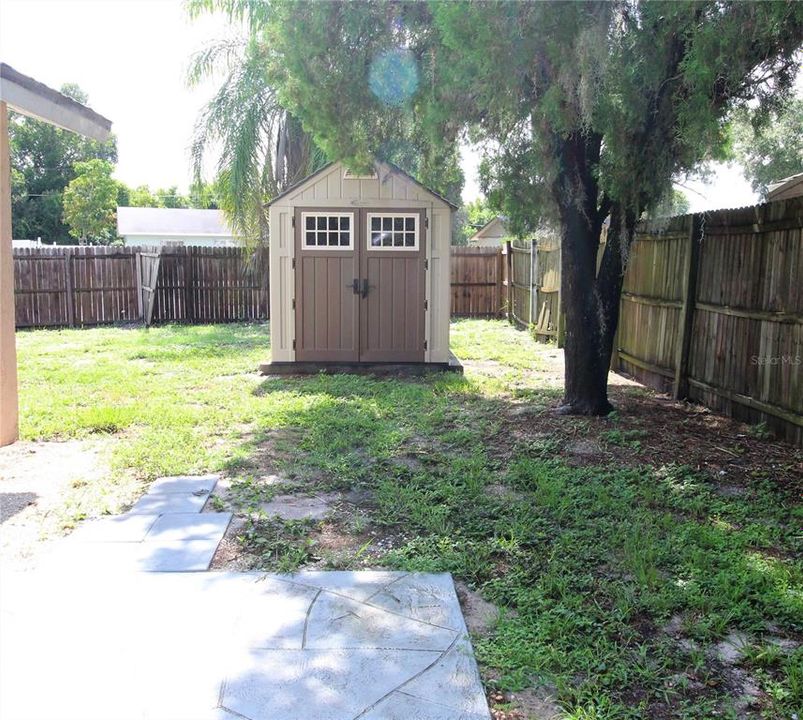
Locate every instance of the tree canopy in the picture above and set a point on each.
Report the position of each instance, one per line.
(769, 148)
(90, 201)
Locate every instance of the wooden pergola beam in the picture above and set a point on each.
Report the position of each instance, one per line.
(29, 97)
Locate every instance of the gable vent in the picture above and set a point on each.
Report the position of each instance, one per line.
(348, 175)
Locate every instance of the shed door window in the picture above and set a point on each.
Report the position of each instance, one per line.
(328, 231)
(393, 231)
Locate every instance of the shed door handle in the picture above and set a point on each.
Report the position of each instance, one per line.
(364, 292)
(355, 286)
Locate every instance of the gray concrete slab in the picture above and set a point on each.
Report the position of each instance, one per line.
(401, 706)
(319, 684)
(217, 646)
(119, 528)
(429, 598)
(338, 622)
(153, 504)
(184, 484)
(177, 556)
(359, 585)
(175, 527)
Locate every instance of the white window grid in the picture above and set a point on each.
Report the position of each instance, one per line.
(393, 231)
(328, 230)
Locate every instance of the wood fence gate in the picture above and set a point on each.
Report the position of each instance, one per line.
(149, 263)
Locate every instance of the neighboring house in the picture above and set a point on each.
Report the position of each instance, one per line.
(160, 227)
(490, 234)
(787, 188)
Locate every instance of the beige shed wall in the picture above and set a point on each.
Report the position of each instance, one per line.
(389, 190)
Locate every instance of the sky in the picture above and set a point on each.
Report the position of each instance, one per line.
(131, 57)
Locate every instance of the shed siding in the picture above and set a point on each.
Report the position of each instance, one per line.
(390, 190)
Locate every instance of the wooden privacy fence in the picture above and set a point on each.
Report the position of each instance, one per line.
(518, 280)
(477, 280)
(534, 285)
(72, 287)
(712, 310)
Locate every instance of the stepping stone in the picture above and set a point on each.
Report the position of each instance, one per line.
(183, 484)
(300, 507)
(117, 529)
(176, 527)
(319, 684)
(169, 503)
(184, 556)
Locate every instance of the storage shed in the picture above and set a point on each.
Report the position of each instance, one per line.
(359, 272)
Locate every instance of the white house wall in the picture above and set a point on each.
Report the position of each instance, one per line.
(186, 240)
(390, 190)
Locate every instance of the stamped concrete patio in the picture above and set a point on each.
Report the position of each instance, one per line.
(102, 632)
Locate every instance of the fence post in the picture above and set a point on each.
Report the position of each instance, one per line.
(138, 272)
(69, 280)
(189, 303)
(680, 386)
(533, 282)
(509, 279)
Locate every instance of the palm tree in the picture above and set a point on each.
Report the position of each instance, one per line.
(263, 148)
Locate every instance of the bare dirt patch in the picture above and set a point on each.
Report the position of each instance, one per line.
(38, 482)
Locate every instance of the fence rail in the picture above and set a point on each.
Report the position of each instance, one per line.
(75, 287)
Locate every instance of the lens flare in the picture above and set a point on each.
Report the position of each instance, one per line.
(393, 78)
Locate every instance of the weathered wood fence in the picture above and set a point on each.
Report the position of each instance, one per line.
(518, 280)
(712, 310)
(477, 279)
(81, 286)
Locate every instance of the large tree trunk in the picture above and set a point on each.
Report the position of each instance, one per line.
(586, 348)
(590, 301)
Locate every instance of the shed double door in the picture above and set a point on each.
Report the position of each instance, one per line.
(359, 284)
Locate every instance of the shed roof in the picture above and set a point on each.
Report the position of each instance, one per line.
(390, 166)
(176, 222)
(32, 98)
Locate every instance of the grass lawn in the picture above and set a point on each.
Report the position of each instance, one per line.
(647, 565)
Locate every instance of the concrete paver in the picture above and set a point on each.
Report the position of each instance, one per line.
(183, 484)
(119, 528)
(174, 527)
(154, 504)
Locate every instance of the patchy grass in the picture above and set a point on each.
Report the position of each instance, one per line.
(626, 552)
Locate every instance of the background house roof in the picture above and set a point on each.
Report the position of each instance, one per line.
(494, 225)
(171, 221)
(784, 185)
